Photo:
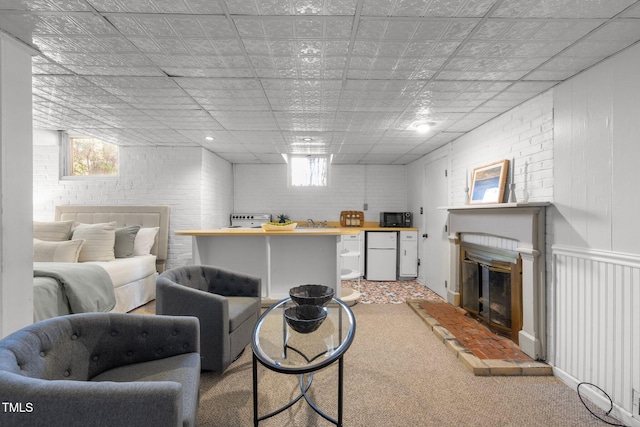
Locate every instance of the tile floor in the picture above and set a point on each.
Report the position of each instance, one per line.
(390, 292)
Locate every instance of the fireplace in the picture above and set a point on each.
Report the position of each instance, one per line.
(491, 287)
(515, 232)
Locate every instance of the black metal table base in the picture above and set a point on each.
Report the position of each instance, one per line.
(304, 388)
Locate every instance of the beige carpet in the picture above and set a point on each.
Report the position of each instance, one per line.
(396, 374)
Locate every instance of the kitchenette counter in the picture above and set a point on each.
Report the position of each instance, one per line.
(302, 231)
(282, 258)
(331, 230)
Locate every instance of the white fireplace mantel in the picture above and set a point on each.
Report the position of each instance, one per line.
(524, 223)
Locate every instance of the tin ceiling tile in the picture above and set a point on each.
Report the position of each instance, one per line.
(566, 30)
(569, 9)
(250, 7)
(50, 5)
(632, 11)
(277, 69)
(618, 30)
(157, 6)
(595, 49)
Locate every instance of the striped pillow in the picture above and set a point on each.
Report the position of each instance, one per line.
(66, 251)
(52, 231)
(99, 240)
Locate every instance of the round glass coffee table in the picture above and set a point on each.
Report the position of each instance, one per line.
(279, 348)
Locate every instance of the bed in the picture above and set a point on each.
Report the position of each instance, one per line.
(96, 283)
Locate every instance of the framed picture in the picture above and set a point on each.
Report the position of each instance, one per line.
(488, 182)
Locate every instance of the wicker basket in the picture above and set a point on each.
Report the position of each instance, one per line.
(351, 219)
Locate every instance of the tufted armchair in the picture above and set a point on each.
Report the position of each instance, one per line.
(226, 302)
(101, 369)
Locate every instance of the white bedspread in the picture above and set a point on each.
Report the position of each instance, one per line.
(127, 270)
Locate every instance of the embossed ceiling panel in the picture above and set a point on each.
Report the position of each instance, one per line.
(350, 78)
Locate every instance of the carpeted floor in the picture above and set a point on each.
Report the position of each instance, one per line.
(397, 373)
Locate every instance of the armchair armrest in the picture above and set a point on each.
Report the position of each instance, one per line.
(56, 403)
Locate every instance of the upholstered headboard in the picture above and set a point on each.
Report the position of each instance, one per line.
(144, 216)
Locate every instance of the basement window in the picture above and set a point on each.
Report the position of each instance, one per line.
(89, 157)
(308, 171)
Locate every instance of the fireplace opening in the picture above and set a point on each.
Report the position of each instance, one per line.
(491, 287)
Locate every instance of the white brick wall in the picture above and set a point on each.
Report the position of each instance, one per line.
(263, 188)
(217, 191)
(525, 134)
(194, 182)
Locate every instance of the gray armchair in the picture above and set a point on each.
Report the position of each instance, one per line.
(226, 302)
(101, 369)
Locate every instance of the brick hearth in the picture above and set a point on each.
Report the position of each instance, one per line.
(480, 349)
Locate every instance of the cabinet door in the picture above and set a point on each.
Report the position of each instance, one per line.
(408, 254)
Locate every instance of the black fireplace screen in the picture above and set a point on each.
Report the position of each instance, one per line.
(487, 291)
(471, 286)
(496, 296)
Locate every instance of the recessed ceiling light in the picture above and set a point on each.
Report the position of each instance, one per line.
(307, 139)
(209, 138)
(423, 127)
(307, 144)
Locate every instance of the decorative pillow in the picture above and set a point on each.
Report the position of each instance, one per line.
(125, 237)
(52, 231)
(99, 241)
(66, 251)
(145, 239)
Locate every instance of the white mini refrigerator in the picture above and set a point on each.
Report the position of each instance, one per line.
(382, 249)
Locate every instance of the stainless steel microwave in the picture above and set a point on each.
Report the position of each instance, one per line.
(396, 219)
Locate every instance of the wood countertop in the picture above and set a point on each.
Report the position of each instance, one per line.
(332, 230)
(326, 231)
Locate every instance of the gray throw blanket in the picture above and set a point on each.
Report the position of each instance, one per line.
(88, 287)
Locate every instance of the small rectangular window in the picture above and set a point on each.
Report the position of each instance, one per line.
(87, 156)
(308, 171)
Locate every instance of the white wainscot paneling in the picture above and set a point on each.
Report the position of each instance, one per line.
(597, 321)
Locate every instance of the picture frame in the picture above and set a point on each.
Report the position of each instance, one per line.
(488, 183)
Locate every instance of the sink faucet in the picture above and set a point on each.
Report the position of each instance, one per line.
(311, 223)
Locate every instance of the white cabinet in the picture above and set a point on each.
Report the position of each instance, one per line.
(408, 254)
(351, 256)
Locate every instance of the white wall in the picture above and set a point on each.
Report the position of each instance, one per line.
(203, 189)
(16, 246)
(524, 133)
(194, 182)
(217, 191)
(263, 188)
(577, 147)
(596, 269)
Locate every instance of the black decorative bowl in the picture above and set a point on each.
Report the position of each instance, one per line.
(311, 294)
(305, 318)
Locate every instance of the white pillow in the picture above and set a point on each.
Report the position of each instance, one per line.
(99, 241)
(66, 251)
(52, 231)
(144, 241)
